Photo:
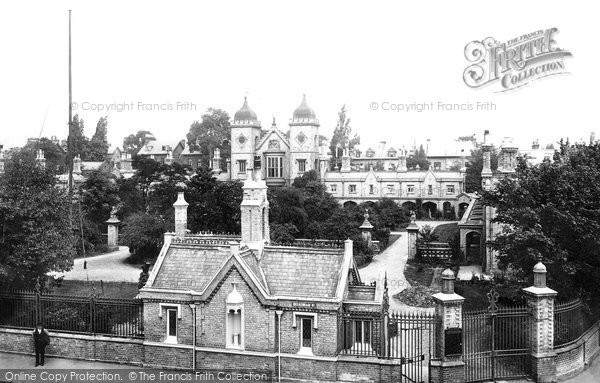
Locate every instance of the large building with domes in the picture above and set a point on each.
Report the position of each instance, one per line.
(280, 156)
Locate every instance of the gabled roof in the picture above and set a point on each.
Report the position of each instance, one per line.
(155, 147)
(302, 272)
(280, 272)
(267, 136)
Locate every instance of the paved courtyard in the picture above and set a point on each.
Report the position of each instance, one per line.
(110, 267)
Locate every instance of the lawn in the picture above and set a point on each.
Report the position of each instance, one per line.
(124, 290)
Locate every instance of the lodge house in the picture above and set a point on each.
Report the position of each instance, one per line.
(216, 301)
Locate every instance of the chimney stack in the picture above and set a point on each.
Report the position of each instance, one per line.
(181, 207)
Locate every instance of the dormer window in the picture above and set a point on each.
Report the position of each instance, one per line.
(234, 319)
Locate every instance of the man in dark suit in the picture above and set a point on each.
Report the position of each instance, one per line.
(41, 339)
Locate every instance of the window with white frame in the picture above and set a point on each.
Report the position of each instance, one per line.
(306, 334)
(352, 189)
(450, 189)
(333, 188)
(190, 162)
(371, 189)
(242, 166)
(171, 313)
(430, 189)
(301, 166)
(275, 167)
(410, 189)
(362, 336)
(234, 326)
(390, 189)
(172, 325)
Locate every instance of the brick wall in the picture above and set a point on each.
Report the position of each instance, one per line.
(574, 358)
(258, 321)
(76, 346)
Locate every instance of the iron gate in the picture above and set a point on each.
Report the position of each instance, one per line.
(409, 340)
(496, 342)
(412, 342)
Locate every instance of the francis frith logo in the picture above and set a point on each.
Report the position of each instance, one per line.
(515, 63)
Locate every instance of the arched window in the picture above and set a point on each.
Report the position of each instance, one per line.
(234, 325)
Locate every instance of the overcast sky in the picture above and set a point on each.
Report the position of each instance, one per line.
(212, 54)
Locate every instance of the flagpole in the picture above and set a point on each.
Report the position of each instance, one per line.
(70, 136)
(69, 143)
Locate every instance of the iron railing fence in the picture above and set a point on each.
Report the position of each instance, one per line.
(360, 333)
(570, 322)
(71, 313)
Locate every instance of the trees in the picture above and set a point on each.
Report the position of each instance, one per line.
(210, 133)
(474, 167)
(55, 155)
(342, 137)
(99, 194)
(143, 233)
(98, 145)
(134, 142)
(34, 219)
(418, 158)
(552, 211)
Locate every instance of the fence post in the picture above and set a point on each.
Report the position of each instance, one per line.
(386, 319)
(38, 308)
(412, 230)
(540, 300)
(92, 314)
(448, 365)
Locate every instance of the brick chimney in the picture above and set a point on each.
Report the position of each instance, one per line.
(255, 212)
(181, 207)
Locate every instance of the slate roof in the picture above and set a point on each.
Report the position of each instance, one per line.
(190, 268)
(157, 147)
(302, 272)
(294, 272)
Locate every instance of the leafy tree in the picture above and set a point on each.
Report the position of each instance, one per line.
(99, 194)
(78, 141)
(210, 133)
(342, 137)
(286, 205)
(475, 166)
(54, 154)
(147, 172)
(131, 198)
(214, 205)
(34, 219)
(552, 211)
(283, 233)
(419, 158)
(164, 189)
(134, 142)
(143, 233)
(98, 145)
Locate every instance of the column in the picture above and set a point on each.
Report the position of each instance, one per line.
(412, 231)
(448, 365)
(540, 300)
(113, 230)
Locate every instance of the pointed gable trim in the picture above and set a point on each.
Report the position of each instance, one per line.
(269, 134)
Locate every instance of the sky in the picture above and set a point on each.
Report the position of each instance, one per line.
(188, 56)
